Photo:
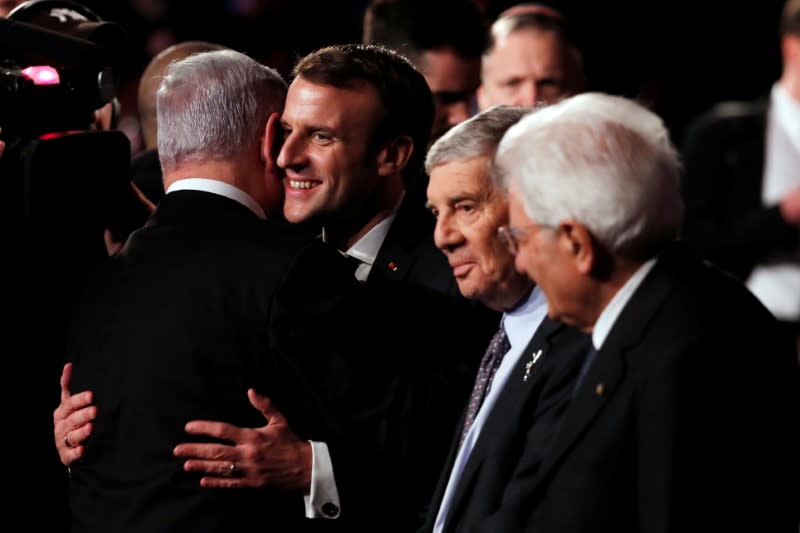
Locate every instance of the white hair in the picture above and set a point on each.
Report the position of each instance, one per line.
(604, 161)
(214, 106)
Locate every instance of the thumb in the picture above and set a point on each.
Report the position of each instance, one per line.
(66, 377)
(264, 404)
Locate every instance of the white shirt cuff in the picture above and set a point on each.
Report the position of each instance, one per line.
(323, 502)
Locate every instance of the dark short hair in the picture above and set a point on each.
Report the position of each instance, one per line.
(413, 27)
(790, 18)
(404, 94)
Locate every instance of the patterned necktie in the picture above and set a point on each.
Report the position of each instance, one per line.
(483, 381)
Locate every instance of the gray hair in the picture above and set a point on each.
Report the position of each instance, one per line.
(214, 106)
(475, 137)
(604, 161)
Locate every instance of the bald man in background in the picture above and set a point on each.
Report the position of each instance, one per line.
(146, 171)
(530, 58)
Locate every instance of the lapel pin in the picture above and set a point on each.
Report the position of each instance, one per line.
(529, 365)
(392, 266)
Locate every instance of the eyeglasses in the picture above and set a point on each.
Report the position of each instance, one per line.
(512, 237)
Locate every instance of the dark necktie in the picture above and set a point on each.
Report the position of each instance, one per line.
(483, 381)
(587, 362)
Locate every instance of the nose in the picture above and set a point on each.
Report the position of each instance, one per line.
(292, 153)
(446, 235)
(527, 93)
(518, 266)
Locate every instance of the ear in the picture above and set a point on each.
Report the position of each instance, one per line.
(578, 242)
(271, 143)
(394, 155)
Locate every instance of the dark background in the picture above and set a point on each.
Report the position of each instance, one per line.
(688, 55)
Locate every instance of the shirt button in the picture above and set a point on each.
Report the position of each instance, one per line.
(330, 510)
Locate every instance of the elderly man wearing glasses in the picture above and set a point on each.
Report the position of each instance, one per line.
(527, 375)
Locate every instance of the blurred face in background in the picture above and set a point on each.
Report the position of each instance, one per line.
(526, 67)
(453, 80)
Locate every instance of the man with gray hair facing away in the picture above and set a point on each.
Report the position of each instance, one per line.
(685, 415)
(526, 377)
(180, 323)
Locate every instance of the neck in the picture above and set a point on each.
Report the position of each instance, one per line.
(239, 173)
(343, 232)
(514, 293)
(790, 81)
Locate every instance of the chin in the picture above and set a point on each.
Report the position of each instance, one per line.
(467, 291)
(294, 216)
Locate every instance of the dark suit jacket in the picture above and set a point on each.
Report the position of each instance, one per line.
(686, 421)
(524, 417)
(408, 254)
(409, 348)
(725, 219)
(176, 328)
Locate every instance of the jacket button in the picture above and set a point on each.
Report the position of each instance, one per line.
(331, 510)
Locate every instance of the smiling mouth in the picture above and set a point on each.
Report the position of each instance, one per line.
(297, 184)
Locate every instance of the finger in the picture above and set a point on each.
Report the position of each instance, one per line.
(70, 455)
(74, 403)
(66, 377)
(80, 401)
(264, 404)
(81, 417)
(214, 468)
(215, 452)
(225, 483)
(79, 434)
(221, 430)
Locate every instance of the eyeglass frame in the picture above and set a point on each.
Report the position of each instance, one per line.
(512, 237)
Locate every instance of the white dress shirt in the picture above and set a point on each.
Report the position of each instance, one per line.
(610, 313)
(218, 187)
(776, 282)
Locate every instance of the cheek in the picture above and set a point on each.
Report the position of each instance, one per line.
(526, 263)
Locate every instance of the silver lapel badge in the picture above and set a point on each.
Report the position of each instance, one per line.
(530, 364)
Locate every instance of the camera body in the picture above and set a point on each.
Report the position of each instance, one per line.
(52, 82)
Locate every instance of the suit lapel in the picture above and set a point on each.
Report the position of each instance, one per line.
(608, 369)
(392, 262)
(396, 253)
(510, 401)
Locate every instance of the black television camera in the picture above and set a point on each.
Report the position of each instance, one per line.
(64, 182)
(56, 67)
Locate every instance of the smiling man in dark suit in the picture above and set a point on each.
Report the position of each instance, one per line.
(685, 416)
(356, 119)
(519, 394)
(177, 326)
